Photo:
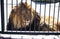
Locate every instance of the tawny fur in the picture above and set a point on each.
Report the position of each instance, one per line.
(49, 22)
(21, 16)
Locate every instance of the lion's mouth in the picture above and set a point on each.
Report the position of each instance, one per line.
(26, 22)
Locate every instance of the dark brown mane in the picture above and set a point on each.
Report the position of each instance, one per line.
(19, 14)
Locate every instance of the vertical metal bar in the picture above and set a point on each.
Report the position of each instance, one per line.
(30, 17)
(6, 10)
(16, 14)
(53, 17)
(35, 20)
(2, 15)
(44, 11)
(12, 4)
(49, 15)
(58, 16)
(21, 14)
(25, 18)
(40, 13)
(12, 7)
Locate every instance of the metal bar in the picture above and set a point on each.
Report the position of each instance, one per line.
(16, 14)
(25, 18)
(53, 17)
(30, 17)
(12, 8)
(40, 14)
(58, 16)
(6, 11)
(44, 11)
(2, 15)
(49, 15)
(21, 15)
(35, 19)
(30, 33)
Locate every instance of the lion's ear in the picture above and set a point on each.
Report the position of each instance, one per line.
(27, 5)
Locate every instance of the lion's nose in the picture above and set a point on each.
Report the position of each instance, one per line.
(26, 22)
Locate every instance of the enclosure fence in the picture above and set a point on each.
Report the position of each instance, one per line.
(29, 16)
